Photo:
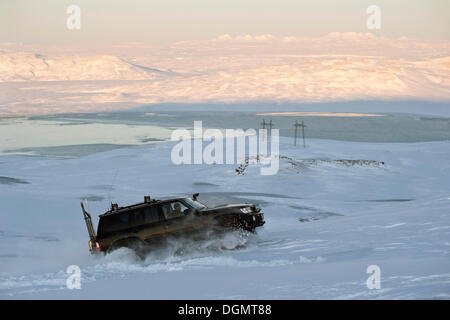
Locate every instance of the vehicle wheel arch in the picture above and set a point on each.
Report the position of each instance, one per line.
(128, 241)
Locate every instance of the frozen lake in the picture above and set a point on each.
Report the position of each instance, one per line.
(72, 135)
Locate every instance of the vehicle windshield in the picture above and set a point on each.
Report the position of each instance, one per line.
(195, 204)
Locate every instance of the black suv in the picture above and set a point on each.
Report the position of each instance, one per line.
(134, 226)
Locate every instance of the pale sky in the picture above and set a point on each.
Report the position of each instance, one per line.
(162, 21)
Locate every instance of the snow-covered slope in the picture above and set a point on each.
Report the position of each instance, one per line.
(329, 216)
(36, 67)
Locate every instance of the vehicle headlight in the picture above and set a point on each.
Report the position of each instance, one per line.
(246, 210)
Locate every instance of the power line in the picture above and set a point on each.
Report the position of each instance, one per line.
(296, 126)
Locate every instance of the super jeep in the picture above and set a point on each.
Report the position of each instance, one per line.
(138, 225)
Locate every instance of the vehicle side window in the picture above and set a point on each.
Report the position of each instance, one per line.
(152, 214)
(122, 221)
(124, 218)
(174, 209)
(113, 222)
(136, 218)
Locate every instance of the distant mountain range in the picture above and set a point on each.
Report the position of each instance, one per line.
(339, 67)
